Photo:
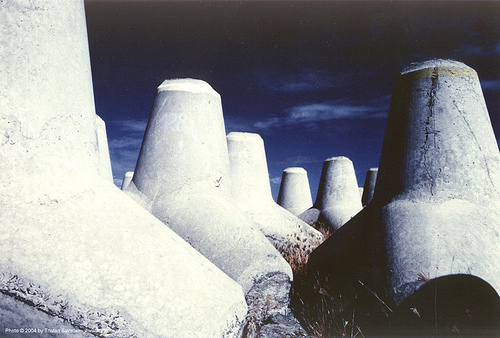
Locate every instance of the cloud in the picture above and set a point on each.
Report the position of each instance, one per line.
(125, 142)
(118, 182)
(299, 160)
(329, 111)
(124, 150)
(307, 80)
(132, 126)
(123, 159)
(479, 51)
(275, 180)
(240, 124)
(313, 113)
(490, 85)
(268, 123)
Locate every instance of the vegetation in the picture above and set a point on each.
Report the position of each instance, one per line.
(452, 305)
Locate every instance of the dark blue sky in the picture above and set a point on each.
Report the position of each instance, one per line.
(314, 79)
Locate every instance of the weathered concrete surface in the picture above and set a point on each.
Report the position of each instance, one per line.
(18, 319)
(455, 236)
(445, 136)
(369, 187)
(338, 195)
(182, 177)
(73, 245)
(126, 179)
(102, 146)
(436, 208)
(251, 191)
(295, 193)
(116, 261)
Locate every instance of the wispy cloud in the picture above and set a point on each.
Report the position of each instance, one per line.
(132, 126)
(298, 161)
(123, 159)
(125, 142)
(307, 80)
(313, 113)
(490, 85)
(275, 180)
(235, 123)
(124, 150)
(330, 111)
(482, 51)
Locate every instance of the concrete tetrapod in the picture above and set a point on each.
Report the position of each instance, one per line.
(102, 145)
(182, 177)
(73, 245)
(251, 191)
(126, 179)
(295, 193)
(369, 187)
(338, 199)
(436, 209)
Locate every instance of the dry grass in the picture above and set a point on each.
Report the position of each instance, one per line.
(313, 302)
(325, 229)
(297, 248)
(358, 311)
(458, 306)
(321, 310)
(256, 318)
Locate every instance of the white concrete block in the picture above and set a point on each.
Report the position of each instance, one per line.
(73, 244)
(369, 187)
(127, 178)
(436, 207)
(182, 177)
(439, 186)
(251, 191)
(338, 195)
(295, 193)
(102, 145)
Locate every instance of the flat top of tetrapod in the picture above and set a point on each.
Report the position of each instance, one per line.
(242, 136)
(295, 170)
(129, 174)
(434, 63)
(337, 159)
(187, 85)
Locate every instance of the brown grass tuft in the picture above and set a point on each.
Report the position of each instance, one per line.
(319, 307)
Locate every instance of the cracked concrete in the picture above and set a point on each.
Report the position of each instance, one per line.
(436, 209)
(428, 128)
